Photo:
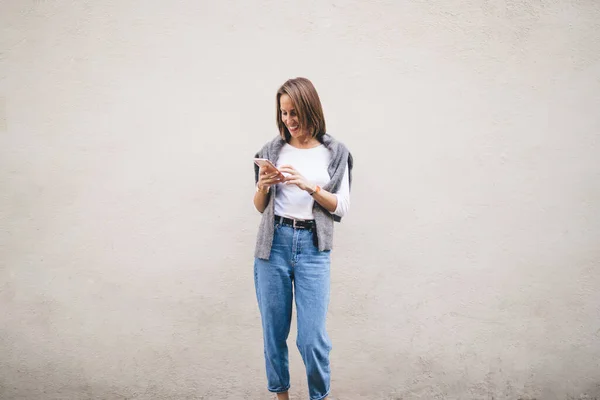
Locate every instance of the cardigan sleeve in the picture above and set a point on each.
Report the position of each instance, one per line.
(343, 195)
(256, 169)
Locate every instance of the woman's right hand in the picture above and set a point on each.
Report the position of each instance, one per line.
(267, 178)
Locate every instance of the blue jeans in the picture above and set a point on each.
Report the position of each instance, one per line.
(295, 262)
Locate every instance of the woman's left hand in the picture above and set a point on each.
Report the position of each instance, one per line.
(295, 178)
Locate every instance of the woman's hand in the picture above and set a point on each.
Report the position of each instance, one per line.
(295, 178)
(267, 178)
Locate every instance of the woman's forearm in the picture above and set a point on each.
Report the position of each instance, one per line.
(261, 199)
(327, 200)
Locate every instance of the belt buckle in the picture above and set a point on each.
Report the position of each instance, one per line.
(294, 223)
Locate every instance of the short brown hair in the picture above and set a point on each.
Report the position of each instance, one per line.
(307, 104)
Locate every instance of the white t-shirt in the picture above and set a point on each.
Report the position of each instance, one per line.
(293, 202)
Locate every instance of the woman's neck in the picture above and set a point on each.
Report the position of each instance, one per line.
(304, 142)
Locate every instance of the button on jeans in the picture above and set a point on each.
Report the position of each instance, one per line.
(295, 267)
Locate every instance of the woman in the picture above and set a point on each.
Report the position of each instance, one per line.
(296, 233)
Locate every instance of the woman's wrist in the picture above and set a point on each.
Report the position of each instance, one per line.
(261, 189)
(312, 189)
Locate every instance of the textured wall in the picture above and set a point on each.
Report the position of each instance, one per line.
(468, 267)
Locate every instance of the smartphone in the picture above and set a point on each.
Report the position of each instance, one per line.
(268, 165)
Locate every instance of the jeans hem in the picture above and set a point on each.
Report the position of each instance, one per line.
(279, 390)
(322, 397)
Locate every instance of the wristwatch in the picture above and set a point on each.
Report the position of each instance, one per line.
(317, 188)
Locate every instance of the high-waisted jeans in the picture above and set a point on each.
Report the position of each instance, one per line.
(295, 263)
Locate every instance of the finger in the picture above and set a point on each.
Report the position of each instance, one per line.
(289, 171)
(272, 180)
(270, 175)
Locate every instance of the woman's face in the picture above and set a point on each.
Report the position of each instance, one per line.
(289, 116)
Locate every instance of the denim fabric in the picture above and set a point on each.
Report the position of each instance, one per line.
(295, 267)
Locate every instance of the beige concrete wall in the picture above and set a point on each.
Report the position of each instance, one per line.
(468, 267)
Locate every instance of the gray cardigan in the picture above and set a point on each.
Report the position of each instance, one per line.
(323, 218)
